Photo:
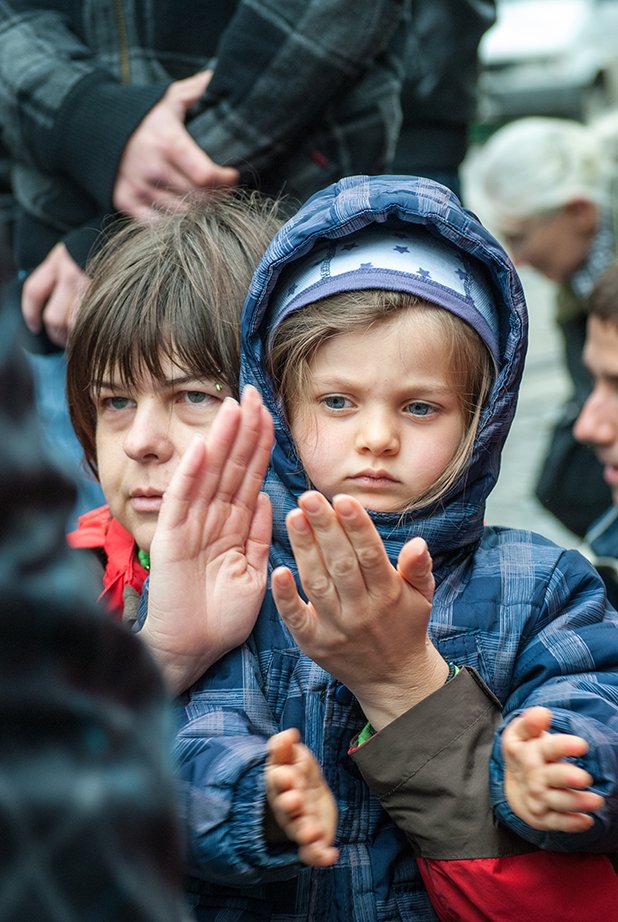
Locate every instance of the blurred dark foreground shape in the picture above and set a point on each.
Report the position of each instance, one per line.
(86, 807)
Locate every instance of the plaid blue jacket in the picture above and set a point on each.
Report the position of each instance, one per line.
(531, 617)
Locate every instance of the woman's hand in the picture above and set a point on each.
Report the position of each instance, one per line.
(209, 554)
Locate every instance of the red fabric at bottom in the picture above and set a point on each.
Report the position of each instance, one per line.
(543, 886)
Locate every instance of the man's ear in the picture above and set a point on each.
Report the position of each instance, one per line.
(584, 213)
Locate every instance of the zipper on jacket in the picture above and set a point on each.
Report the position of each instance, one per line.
(123, 44)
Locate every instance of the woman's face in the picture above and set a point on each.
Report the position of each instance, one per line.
(142, 433)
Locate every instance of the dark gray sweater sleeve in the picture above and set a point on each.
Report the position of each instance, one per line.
(60, 109)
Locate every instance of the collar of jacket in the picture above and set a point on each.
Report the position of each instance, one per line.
(98, 530)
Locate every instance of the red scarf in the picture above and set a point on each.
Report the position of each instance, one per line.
(98, 529)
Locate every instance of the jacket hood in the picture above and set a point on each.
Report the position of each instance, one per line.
(455, 522)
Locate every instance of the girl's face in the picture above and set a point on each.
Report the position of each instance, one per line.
(141, 435)
(380, 420)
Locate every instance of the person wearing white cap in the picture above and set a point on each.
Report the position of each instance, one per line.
(546, 188)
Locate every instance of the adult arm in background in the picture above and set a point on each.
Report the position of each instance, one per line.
(258, 108)
(71, 115)
(127, 146)
(51, 294)
(63, 112)
(284, 65)
(60, 110)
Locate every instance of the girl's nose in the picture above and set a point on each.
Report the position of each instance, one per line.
(378, 433)
(148, 437)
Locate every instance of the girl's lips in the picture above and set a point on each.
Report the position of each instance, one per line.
(373, 481)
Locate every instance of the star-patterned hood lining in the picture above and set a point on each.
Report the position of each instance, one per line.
(405, 258)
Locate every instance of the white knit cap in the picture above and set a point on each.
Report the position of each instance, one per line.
(533, 166)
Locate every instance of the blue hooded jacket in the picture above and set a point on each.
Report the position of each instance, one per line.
(530, 617)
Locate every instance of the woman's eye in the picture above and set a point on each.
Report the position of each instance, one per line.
(336, 402)
(116, 403)
(201, 397)
(420, 408)
(197, 396)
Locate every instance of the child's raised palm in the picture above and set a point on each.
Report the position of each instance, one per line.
(209, 553)
(365, 621)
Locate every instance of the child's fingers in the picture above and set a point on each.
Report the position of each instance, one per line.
(281, 746)
(373, 562)
(318, 855)
(563, 822)
(565, 800)
(529, 725)
(312, 570)
(556, 811)
(315, 843)
(340, 573)
(566, 775)
(528, 752)
(287, 803)
(416, 567)
(535, 721)
(293, 610)
(563, 745)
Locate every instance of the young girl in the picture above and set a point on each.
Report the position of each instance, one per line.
(386, 330)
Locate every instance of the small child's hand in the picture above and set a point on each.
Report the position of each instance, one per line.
(545, 791)
(300, 800)
(364, 621)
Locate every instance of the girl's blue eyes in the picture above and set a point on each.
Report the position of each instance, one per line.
(417, 408)
(336, 402)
